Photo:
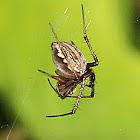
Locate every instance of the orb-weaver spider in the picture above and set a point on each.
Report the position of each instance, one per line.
(72, 69)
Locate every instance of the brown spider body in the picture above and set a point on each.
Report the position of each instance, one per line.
(71, 65)
(72, 69)
(68, 59)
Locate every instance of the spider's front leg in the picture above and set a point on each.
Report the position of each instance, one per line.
(90, 64)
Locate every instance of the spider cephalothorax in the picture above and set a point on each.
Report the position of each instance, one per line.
(72, 69)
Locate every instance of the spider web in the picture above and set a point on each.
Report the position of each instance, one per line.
(33, 77)
(27, 93)
(29, 88)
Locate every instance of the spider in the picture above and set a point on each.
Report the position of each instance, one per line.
(72, 69)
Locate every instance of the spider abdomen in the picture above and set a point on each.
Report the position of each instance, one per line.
(68, 59)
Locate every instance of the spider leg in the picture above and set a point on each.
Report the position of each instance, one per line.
(90, 64)
(55, 34)
(92, 79)
(59, 95)
(52, 76)
(76, 103)
(91, 85)
(81, 96)
(89, 96)
(72, 42)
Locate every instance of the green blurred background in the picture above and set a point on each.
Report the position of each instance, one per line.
(25, 46)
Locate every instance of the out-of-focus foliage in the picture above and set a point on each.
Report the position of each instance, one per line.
(137, 23)
(25, 46)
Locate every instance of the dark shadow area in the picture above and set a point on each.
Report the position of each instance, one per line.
(7, 114)
(7, 118)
